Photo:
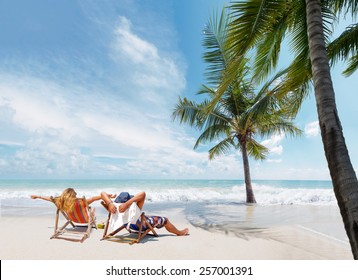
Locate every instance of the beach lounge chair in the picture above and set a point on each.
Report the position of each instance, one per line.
(133, 220)
(81, 221)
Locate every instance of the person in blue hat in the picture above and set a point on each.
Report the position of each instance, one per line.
(125, 200)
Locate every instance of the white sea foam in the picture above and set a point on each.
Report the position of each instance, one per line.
(298, 196)
(265, 195)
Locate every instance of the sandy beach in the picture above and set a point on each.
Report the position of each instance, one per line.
(28, 238)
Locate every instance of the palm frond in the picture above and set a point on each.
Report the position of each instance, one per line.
(215, 119)
(345, 45)
(343, 6)
(298, 38)
(267, 53)
(236, 73)
(269, 46)
(214, 43)
(352, 66)
(188, 112)
(265, 101)
(256, 150)
(297, 83)
(280, 125)
(206, 90)
(251, 19)
(222, 148)
(212, 133)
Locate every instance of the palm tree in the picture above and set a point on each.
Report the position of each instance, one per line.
(263, 25)
(342, 172)
(241, 115)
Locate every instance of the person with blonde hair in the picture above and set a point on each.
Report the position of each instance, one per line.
(67, 199)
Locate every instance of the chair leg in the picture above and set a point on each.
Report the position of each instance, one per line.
(56, 220)
(106, 227)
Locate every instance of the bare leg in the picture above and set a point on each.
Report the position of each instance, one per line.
(171, 228)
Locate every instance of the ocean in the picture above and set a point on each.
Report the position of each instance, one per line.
(214, 204)
(267, 192)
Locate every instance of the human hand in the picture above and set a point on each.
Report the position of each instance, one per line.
(112, 195)
(34, 196)
(112, 208)
(123, 207)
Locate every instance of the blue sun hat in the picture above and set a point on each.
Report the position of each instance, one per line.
(123, 197)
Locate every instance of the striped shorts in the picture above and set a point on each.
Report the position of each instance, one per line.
(154, 221)
(157, 221)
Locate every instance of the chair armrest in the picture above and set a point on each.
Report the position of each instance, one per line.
(104, 205)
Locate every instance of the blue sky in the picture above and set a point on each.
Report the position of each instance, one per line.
(87, 89)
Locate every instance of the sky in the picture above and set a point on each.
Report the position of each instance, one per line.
(87, 90)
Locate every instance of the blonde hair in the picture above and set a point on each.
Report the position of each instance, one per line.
(67, 200)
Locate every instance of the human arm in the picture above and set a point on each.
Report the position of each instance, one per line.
(92, 199)
(41, 197)
(107, 199)
(98, 197)
(139, 198)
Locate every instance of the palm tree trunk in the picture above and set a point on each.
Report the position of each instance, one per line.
(250, 197)
(343, 176)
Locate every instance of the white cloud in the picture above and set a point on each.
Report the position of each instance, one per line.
(312, 129)
(3, 162)
(10, 143)
(37, 105)
(274, 160)
(47, 156)
(129, 132)
(132, 46)
(116, 122)
(274, 143)
(69, 122)
(155, 76)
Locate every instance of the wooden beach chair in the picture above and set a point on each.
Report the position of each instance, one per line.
(135, 224)
(81, 221)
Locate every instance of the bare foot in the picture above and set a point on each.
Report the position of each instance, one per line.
(184, 232)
